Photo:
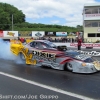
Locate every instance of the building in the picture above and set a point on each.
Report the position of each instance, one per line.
(91, 22)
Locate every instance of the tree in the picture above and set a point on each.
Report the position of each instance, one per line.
(79, 28)
(6, 11)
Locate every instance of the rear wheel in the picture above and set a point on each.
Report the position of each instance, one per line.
(22, 57)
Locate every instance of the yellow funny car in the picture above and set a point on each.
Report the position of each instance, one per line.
(18, 49)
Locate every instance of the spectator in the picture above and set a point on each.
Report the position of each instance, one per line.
(18, 38)
(22, 40)
(55, 40)
(79, 43)
(72, 40)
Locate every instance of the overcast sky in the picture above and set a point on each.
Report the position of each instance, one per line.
(62, 12)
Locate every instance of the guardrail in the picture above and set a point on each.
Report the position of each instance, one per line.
(84, 45)
(74, 45)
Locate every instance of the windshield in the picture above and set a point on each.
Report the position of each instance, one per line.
(50, 43)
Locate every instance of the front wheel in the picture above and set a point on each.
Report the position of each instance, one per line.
(68, 67)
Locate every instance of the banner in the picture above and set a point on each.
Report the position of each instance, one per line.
(25, 33)
(60, 34)
(86, 44)
(91, 16)
(38, 33)
(1, 34)
(10, 33)
(50, 34)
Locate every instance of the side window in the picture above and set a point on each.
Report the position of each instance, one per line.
(88, 11)
(40, 45)
(33, 44)
(36, 45)
(44, 45)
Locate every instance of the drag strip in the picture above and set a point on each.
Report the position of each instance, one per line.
(68, 83)
(49, 88)
(12, 89)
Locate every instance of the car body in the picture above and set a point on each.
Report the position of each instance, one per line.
(46, 53)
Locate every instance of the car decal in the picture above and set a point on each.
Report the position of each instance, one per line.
(82, 57)
(37, 54)
(42, 54)
(91, 53)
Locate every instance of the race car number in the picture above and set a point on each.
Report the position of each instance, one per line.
(39, 55)
(44, 54)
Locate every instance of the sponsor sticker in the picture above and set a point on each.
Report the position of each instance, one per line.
(92, 53)
(10, 33)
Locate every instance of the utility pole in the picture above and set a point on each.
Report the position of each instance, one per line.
(12, 22)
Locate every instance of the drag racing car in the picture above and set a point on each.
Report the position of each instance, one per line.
(46, 53)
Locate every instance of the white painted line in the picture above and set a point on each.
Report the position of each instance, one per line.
(47, 87)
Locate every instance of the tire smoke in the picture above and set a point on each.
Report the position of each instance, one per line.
(5, 52)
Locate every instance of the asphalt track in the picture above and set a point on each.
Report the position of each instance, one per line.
(40, 82)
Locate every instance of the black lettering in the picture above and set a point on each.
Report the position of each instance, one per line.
(47, 55)
(52, 56)
(37, 53)
(86, 53)
(43, 55)
(24, 34)
(34, 52)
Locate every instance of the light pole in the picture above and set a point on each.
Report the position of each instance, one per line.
(12, 22)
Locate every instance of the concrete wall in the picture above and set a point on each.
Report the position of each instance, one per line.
(91, 30)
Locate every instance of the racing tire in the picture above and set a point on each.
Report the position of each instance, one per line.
(22, 57)
(68, 67)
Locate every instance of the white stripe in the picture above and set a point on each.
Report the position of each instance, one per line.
(47, 87)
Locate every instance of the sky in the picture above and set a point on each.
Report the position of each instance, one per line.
(59, 12)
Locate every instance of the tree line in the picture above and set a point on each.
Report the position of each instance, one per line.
(7, 12)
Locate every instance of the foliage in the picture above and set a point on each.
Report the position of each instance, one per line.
(19, 24)
(42, 27)
(7, 12)
(80, 28)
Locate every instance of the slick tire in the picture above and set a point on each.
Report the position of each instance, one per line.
(68, 67)
(22, 57)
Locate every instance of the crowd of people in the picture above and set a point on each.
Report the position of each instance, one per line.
(62, 39)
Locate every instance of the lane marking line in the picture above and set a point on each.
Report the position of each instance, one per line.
(47, 87)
